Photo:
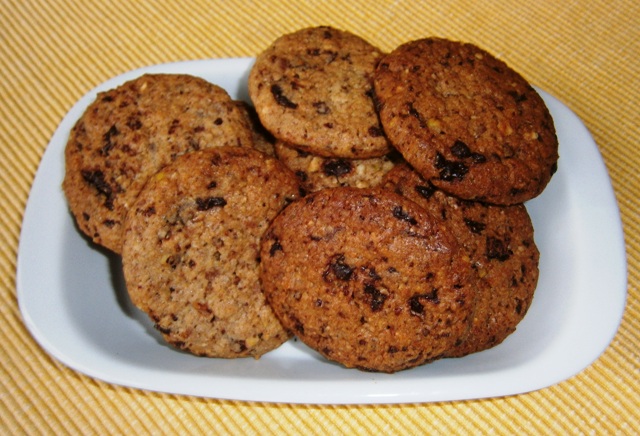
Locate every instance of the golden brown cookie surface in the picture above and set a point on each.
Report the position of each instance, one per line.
(317, 172)
(466, 121)
(129, 132)
(190, 253)
(313, 88)
(367, 278)
(499, 242)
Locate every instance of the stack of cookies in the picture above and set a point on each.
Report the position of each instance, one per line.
(434, 258)
(164, 170)
(313, 90)
(371, 205)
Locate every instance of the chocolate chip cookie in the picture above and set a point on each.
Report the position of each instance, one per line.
(128, 133)
(367, 278)
(191, 250)
(314, 88)
(466, 121)
(499, 242)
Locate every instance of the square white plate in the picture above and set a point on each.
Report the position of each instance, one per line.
(73, 299)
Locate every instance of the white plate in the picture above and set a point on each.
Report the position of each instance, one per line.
(74, 302)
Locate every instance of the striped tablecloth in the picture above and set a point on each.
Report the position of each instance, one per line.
(586, 53)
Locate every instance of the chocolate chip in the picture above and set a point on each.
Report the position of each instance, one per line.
(339, 268)
(425, 191)
(163, 330)
(414, 113)
(519, 98)
(108, 143)
(321, 108)
(134, 123)
(149, 211)
(298, 325)
(336, 167)
(242, 346)
(415, 305)
(403, 215)
(460, 150)
(449, 169)
(475, 226)
(173, 261)
(174, 126)
(281, 99)
(209, 203)
(302, 153)
(96, 179)
(302, 176)
(376, 298)
(375, 131)
(478, 158)
(276, 246)
(498, 249)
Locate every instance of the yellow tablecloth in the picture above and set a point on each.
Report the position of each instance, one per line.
(586, 53)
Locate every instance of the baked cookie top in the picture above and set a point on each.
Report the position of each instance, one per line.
(317, 172)
(499, 240)
(191, 250)
(314, 88)
(466, 121)
(367, 278)
(128, 133)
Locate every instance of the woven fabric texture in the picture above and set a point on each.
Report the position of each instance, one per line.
(586, 53)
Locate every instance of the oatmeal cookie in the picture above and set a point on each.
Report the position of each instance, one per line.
(466, 121)
(191, 250)
(128, 133)
(499, 242)
(314, 88)
(367, 278)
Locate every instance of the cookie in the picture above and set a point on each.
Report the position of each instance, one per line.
(263, 141)
(128, 133)
(499, 240)
(314, 88)
(191, 245)
(367, 278)
(466, 121)
(317, 172)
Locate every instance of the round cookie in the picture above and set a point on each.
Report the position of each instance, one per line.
(317, 172)
(367, 278)
(314, 88)
(465, 121)
(128, 133)
(499, 241)
(191, 245)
